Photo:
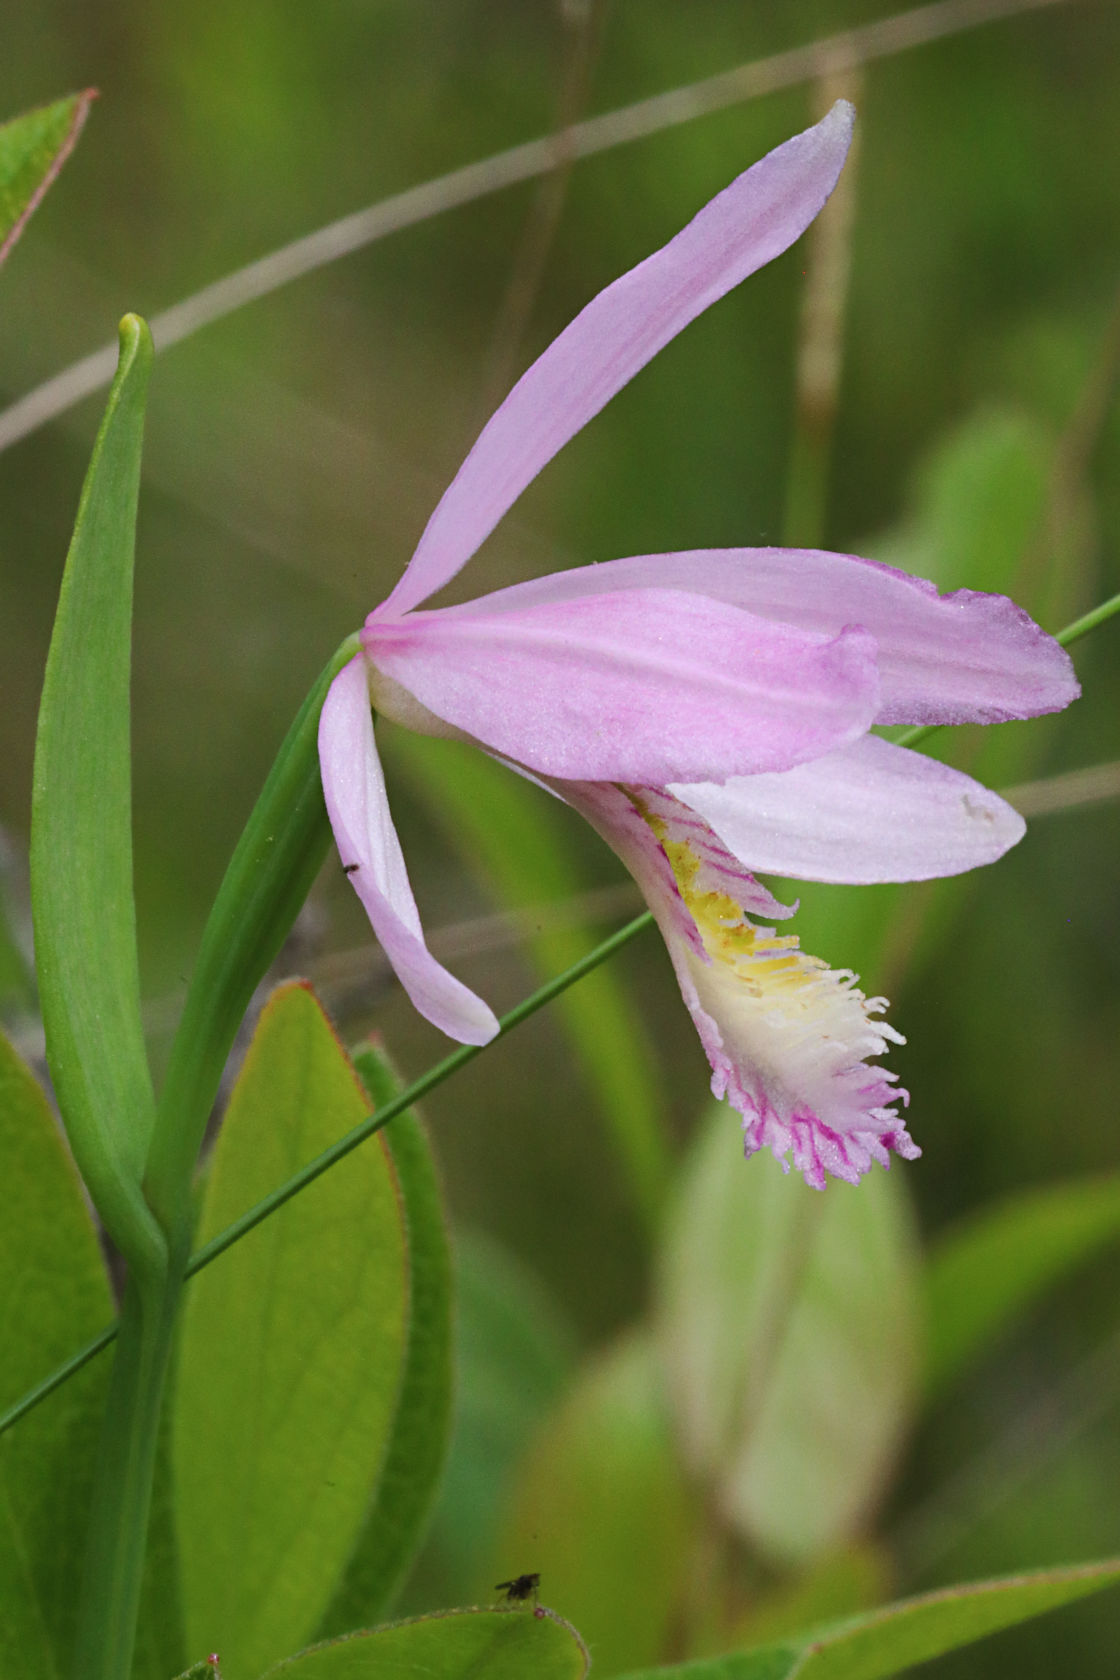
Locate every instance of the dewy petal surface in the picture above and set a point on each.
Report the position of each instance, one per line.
(354, 788)
(743, 227)
(960, 658)
(869, 812)
(641, 686)
(788, 1038)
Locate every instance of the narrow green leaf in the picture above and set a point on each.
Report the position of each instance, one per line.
(399, 1511)
(887, 1641)
(507, 831)
(33, 148)
(789, 1325)
(454, 1645)
(984, 1274)
(81, 830)
(55, 1294)
(291, 1353)
(602, 1512)
(874, 1646)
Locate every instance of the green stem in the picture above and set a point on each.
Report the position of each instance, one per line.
(114, 1566)
(1081, 626)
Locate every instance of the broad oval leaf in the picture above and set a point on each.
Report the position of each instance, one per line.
(513, 1644)
(601, 1510)
(33, 148)
(291, 1353)
(55, 1297)
(984, 1274)
(788, 1321)
(398, 1514)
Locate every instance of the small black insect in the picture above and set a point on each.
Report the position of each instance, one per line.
(522, 1587)
(350, 868)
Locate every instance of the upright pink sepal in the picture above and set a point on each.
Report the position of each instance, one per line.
(743, 227)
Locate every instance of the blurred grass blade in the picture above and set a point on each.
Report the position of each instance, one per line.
(81, 828)
(505, 830)
(984, 1275)
(452, 1645)
(884, 1642)
(789, 1325)
(33, 148)
(55, 1293)
(291, 1354)
(398, 1513)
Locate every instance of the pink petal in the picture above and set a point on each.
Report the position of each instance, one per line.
(750, 222)
(868, 812)
(960, 658)
(642, 686)
(354, 788)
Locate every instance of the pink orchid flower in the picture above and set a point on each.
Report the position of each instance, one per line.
(708, 712)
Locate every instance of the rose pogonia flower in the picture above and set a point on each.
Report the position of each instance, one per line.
(708, 712)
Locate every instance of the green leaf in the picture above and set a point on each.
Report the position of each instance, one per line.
(33, 148)
(454, 1645)
(602, 1512)
(789, 1325)
(984, 1274)
(513, 1355)
(291, 1353)
(55, 1297)
(406, 1489)
(884, 1642)
(81, 830)
(507, 831)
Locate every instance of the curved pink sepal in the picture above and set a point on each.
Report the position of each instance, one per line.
(743, 227)
(354, 788)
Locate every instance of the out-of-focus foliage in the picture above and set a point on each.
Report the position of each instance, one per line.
(294, 452)
(790, 1334)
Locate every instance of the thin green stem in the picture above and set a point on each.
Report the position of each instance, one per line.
(115, 1548)
(366, 1128)
(1089, 621)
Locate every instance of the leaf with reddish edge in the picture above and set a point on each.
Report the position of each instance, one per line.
(33, 148)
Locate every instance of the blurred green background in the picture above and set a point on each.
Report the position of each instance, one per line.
(296, 448)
